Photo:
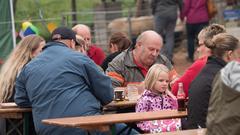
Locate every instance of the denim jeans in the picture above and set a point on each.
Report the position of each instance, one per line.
(165, 26)
(192, 33)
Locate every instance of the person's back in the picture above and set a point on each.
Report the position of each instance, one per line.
(59, 85)
(96, 54)
(195, 11)
(28, 48)
(165, 17)
(199, 93)
(225, 48)
(196, 14)
(166, 7)
(62, 82)
(224, 100)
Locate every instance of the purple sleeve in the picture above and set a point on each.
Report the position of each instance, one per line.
(143, 105)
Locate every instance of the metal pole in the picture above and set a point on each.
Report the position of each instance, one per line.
(74, 10)
(13, 24)
(129, 23)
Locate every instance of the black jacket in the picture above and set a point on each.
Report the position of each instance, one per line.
(199, 93)
(109, 58)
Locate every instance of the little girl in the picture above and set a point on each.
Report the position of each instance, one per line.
(156, 97)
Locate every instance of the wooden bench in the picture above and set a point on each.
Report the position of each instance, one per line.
(105, 122)
(12, 111)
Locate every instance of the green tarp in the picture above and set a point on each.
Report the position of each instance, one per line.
(6, 42)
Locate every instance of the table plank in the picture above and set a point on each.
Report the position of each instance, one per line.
(15, 113)
(114, 118)
(201, 131)
(8, 105)
(11, 115)
(15, 110)
(11, 110)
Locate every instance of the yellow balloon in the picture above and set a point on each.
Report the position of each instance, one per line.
(25, 25)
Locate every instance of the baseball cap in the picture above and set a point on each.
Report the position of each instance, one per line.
(63, 33)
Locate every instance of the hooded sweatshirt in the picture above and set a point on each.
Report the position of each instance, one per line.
(224, 113)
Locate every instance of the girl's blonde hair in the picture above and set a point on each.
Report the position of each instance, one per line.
(20, 56)
(153, 75)
(221, 43)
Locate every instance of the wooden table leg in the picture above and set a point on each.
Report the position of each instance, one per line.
(26, 123)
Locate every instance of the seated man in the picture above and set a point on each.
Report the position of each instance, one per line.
(132, 64)
(94, 52)
(62, 82)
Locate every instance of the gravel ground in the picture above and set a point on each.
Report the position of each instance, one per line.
(179, 57)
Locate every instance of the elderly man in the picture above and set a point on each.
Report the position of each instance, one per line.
(133, 64)
(94, 52)
(62, 82)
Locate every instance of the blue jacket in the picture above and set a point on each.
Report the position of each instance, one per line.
(62, 83)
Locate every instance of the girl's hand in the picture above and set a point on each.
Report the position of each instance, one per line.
(169, 93)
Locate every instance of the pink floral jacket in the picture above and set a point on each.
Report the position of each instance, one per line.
(150, 101)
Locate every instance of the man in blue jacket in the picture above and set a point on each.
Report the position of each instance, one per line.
(61, 82)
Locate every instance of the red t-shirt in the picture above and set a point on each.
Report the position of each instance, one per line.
(96, 54)
(143, 69)
(189, 75)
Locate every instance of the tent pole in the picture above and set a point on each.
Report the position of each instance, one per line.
(13, 24)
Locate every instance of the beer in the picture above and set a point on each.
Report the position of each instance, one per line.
(119, 94)
(181, 98)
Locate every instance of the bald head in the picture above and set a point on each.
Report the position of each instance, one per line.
(85, 32)
(81, 27)
(149, 35)
(147, 48)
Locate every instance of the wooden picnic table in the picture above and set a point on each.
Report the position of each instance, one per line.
(104, 122)
(12, 111)
(201, 131)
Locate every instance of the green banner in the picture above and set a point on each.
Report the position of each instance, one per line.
(6, 42)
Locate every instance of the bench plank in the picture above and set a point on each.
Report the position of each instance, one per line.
(114, 118)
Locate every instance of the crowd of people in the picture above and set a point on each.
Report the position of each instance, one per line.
(71, 76)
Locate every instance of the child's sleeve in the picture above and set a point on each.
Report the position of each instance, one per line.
(174, 103)
(143, 105)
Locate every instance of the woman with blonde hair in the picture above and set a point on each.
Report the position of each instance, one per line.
(224, 48)
(28, 48)
(202, 54)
